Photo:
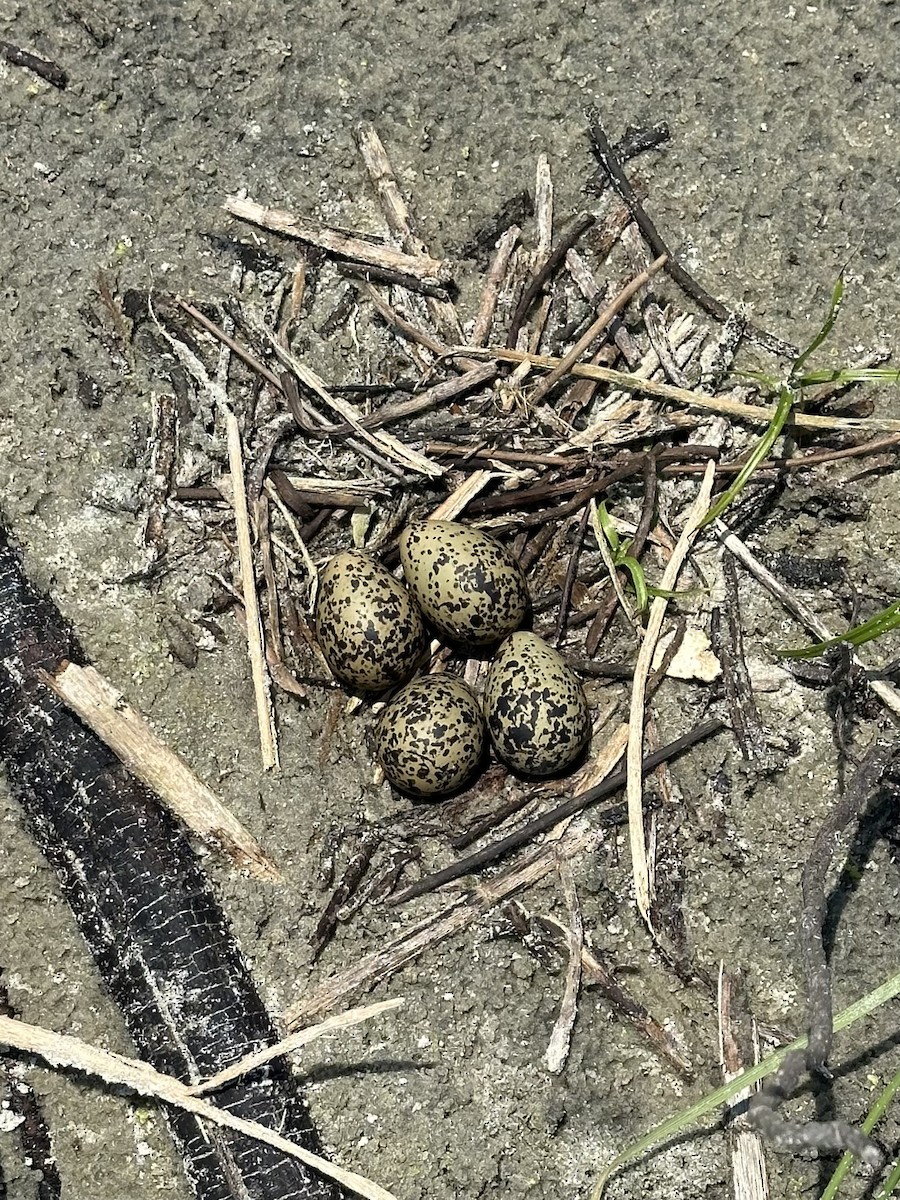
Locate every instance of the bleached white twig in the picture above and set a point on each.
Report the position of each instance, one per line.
(294, 1041)
(634, 786)
(558, 1047)
(336, 241)
(255, 645)
(121, 727)
(60, 1050)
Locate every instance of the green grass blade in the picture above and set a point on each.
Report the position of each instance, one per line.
(881, 623)
(876, 1112)
(681, 594)
(769, 382)
(604, 527)
(713, 1100)
(760, 451)
(638, 581)
(847, 375)
(605, 521)
(891, 1183)
(834, 308)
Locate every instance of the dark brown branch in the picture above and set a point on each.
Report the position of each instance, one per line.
(728, 646)
(611, 164)
(234, 346)
(42, 67)
(614, 815)
(634, 142)
(571, 575)
(622, 468)
(474, 833)
(567, 239)
(648, 504)
(370, 274)
(799, 462)
(347, 886)
(589, 487)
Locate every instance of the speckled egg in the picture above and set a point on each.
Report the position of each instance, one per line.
(469, 587)
(367, 624)
(431, 736)
(537, 712)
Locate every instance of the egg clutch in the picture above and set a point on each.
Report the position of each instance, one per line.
(431, 736)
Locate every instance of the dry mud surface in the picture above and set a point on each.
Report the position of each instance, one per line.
(783, 166)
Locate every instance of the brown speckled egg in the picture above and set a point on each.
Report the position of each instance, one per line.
(367, 624)
(537, 712)
(468, 586)
(430, 738)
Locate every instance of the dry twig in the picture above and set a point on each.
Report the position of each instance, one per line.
(62, 1051)
(49, 71)
(385, 443)
(255, 646)
(124, 730)
(748, 1163)
(400, 222)
(726, 405)
(558, 1047)
(615, 306)
(381, 964)
(493, 280)
(886, 692)
(450, 508)
(613, 815)
(640, 866)
(162, 469)
(294, 1041)
(336, 241)
(610, 163)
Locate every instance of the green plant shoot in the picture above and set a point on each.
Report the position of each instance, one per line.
(788, 391)
(876, 1112)
(786, 400)
(622, 558)
(675, 1125)
(882, 622)
(603, 525)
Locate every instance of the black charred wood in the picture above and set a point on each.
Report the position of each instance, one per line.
(147, 912)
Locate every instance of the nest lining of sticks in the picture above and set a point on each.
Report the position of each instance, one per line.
(336, 393)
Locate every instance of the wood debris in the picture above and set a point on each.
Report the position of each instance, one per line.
(574, 378)
(103, 708)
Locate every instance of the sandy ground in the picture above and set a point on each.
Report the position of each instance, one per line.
(782, 167)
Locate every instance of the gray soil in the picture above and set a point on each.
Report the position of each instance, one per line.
(782, 167)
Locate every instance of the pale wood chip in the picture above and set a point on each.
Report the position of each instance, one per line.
(121, 727)
(336, 241)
